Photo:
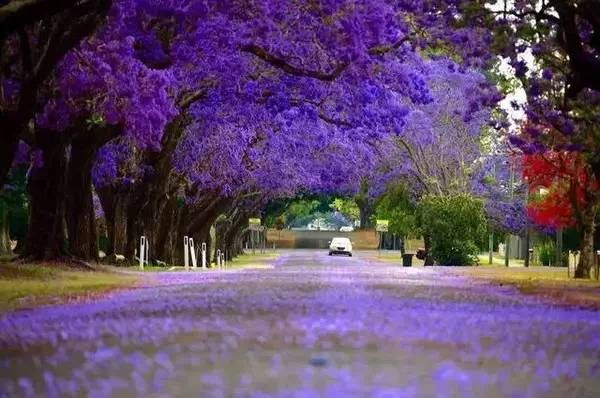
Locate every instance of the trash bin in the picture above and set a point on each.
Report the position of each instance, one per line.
(407, 260)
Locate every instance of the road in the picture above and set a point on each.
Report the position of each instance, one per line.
(312, 325)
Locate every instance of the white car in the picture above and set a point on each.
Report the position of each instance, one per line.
(348, 228)
(340, 246)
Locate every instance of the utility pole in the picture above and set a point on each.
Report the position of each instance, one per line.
(559, 247)
(507, 239)
(491, 248)
(491, 235)
(527, 235)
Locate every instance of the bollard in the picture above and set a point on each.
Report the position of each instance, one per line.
(223, 259)
(193, 253)
(142, 251)
(203, 255)
(186, 258)
(147, 258)
(597, 262)
(218, 258)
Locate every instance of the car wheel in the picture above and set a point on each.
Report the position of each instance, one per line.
(330, 253)
(350, 254)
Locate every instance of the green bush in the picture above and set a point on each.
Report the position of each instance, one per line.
(547, 254)
(455, 224)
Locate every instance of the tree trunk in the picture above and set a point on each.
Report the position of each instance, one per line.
(365, 214)
(233, 241)
(133, 235)
(150, 194)
(81, 219)
(164, 231)
(199, 226)
(114, 204)
(8, 149)
(5, 246)
(46, 239)
(586, 260)
(221, 236)
(365, 205)
(428, 258)
(401, 245)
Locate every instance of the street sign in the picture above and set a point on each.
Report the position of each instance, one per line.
(382, 225)
(254, 224)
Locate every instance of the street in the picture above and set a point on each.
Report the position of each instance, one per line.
(311, 325)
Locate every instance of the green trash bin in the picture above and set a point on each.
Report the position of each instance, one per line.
(407, 260)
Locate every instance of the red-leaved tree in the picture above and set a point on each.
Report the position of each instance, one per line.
(569, 197)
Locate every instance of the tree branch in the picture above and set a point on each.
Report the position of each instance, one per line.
(188, 98)
(290, 69)
(384, 49)
(20, 13)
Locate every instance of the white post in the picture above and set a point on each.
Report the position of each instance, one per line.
(193, 253)
(571, 260)
(203, 255)
(147, 258)
(223, 259)
(218, 258)
(186, 258)
(142, 251)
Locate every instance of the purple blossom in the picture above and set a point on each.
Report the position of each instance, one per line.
(344, 327)
(547, 74)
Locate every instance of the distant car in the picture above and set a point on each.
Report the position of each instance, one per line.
(348, 228)
(340, 246)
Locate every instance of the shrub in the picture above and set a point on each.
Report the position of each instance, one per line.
(547, 253)
(454, 224)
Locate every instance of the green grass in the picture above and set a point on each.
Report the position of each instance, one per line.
(542, 276)
(394, 257)
(499, 261)
(151, 268)
(390, 257)
(23, 285)
(247, 260)
(551, 283)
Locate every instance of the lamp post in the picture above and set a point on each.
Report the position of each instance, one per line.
(491, 235)
(527, 235)
(507, 239)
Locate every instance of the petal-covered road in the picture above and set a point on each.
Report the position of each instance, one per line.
(313, 325)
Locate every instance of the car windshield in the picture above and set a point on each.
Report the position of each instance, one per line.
(340, 241)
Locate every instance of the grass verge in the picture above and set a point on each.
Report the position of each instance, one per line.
(249, 260)
(499, 261)
(246, 260)
(392, 257)
(552, 283)
(27, 285)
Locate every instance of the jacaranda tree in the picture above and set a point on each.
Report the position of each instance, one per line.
(181, 114)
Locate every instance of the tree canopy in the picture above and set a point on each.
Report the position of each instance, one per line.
(174, 115)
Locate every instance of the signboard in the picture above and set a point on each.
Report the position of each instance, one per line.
(382, 225)
(254, 224)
